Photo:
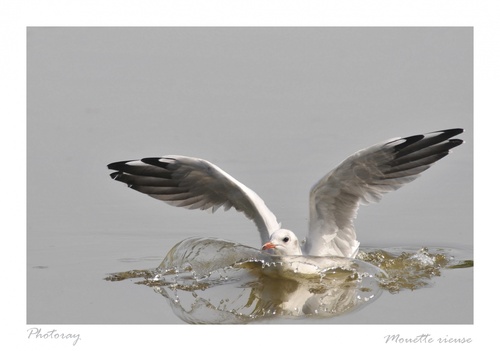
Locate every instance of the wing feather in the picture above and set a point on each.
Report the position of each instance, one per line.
(194, 183)
(364, 178)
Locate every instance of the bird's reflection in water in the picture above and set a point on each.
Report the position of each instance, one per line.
(216, 281)
(246, 299)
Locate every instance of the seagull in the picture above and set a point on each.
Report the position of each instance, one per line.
(362, 178)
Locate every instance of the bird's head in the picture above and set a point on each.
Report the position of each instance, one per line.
(283, 242)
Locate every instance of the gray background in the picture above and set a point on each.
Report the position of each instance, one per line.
(275, 107)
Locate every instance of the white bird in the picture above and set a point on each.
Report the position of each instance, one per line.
(362, 178)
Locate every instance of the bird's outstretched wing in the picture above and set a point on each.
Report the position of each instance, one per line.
(363, 178)
(194, 183)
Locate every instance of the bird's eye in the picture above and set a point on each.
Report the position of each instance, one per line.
(285, 239)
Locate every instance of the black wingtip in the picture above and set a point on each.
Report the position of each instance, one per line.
(455, 142)
(117, 166)
(114, 175)
(154, 161)
(451, 132)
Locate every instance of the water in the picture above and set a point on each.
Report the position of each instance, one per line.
(216, 281)
(277, 109)
(248, 285)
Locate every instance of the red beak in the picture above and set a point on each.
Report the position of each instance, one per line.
(268, 245)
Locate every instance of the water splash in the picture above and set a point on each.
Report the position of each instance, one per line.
(217, 281)
(410, 269)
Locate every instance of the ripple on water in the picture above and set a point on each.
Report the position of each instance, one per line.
(218, 281)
